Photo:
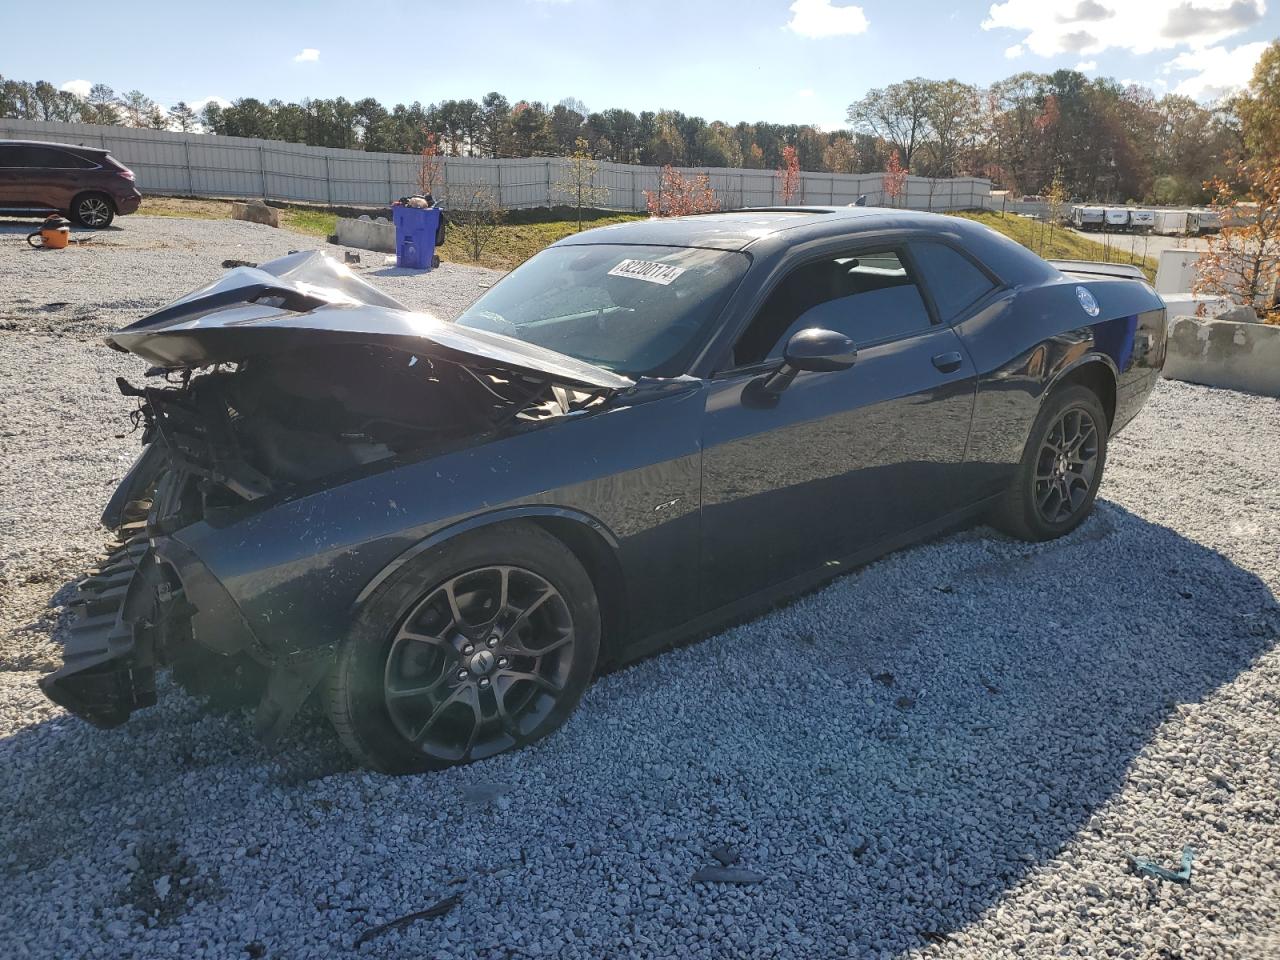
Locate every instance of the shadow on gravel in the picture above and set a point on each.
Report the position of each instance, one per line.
(892, 753)
(20, 227)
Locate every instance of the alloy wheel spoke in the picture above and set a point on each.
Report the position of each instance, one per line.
(425, 690)
(523, 616)
(517, 648)
(477, 720)
(504, 716)
(534, 678)
(439, 712)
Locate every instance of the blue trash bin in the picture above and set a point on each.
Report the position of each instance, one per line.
(415, 236)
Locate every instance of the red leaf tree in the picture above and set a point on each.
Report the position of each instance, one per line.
(895, 178)
(789, 173)
(678, 196)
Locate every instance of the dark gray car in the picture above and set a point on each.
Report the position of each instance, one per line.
(644, 432)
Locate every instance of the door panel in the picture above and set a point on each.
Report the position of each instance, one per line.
(842, 461)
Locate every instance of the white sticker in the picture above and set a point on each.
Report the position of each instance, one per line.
(647, 270)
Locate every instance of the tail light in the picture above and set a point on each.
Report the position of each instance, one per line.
(126, 173)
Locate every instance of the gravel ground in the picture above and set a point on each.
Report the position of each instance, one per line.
(119, 274)
(950, 753)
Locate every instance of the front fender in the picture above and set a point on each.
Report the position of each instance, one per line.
(479, 521)
(299, 569)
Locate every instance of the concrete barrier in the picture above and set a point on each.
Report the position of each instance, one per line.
(255, 211)
(366, 234)
(1225, 353)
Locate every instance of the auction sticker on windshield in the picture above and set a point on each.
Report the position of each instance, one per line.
(647, 270)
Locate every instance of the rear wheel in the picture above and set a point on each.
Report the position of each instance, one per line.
(1061, 468)
(93, 210)
(482, 646)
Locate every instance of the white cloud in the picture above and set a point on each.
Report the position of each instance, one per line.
(806, 92)
(1087, 66)
(198, 105)
(1014, 52)
(80, 88)
(824, 18)
(1157, 85)
(1052, 27)
(1216, 71)
(307, 55)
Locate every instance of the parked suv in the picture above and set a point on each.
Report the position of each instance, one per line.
(85, 183)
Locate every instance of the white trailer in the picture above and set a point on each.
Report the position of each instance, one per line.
(1171, 223)
(1087, 218)
(1142, 221)
(1203, 221)
(1116, 219)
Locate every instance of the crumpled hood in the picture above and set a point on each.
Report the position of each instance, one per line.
(309, 299)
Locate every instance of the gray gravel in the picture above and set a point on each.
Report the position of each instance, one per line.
(121, 273)
(950, 753)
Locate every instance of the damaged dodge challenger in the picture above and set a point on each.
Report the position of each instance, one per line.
(444, 529)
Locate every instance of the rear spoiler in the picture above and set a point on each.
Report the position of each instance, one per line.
(1097, 268)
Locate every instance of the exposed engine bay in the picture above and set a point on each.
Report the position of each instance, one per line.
(269, 383)
(248, 430)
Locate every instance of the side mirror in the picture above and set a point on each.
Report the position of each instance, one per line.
(820, 350)
(812, 349)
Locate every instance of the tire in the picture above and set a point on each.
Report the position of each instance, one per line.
(93, 210)
(1044, 501)
(409, 687)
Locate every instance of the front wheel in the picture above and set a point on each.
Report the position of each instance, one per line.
(1061, 468)
(482, 646)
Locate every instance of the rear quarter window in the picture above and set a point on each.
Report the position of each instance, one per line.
(954, 280)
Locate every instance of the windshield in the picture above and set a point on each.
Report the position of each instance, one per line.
(633, 309)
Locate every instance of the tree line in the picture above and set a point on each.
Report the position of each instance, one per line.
(1096, 138)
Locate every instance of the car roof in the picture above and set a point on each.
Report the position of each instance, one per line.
(50, 143)
(739, 229)
(770, 229)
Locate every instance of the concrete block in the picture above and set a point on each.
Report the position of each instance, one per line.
(255, 211)
(366, 234)
(1225, 353)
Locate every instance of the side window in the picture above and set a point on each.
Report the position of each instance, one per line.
(49, 158)
(867, 296)
(951, 277)
(12, 157)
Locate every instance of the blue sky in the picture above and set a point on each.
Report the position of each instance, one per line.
(800, 61)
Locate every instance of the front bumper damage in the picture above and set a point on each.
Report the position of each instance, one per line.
(134, 614)
(124, 612)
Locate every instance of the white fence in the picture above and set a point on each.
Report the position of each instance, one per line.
(199, 165)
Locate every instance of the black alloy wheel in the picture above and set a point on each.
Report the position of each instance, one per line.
(1056, 482)
(1066, 465)
(481, 645)
(479, 663)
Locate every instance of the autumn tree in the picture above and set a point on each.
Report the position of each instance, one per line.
(1259, 106)
(679, 196)
(430, 167)
(840, 156)
(895, 179)
(577, 183)
(1242, 260)
(788, 174)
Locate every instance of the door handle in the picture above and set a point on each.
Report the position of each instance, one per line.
(948, 362)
